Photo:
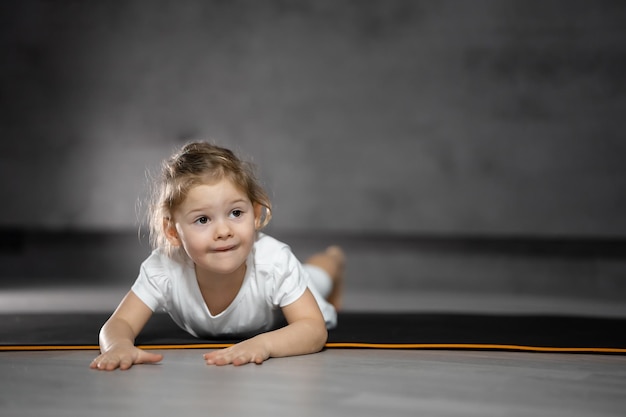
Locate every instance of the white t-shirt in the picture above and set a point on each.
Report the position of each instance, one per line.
(274, 279)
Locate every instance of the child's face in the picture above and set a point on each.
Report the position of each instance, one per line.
(216, 225)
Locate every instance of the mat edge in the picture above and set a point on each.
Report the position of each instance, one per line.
(341, 345)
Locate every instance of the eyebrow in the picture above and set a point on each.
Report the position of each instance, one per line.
(202, 209)
(239, 200)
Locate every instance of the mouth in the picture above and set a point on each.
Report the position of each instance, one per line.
(225, 248)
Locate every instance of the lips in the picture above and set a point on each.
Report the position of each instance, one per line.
(225, 248)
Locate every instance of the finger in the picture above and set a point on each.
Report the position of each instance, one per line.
(255, 358)
(223, 360)
(125, 363)
(106, 365)
(111, 364)
(217, 357)
(209, 358)
(241, 360)
(148, 357)
(97, 363)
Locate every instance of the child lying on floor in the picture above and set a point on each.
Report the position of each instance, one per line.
(216, 274)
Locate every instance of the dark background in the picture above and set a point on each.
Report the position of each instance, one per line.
(449, 145)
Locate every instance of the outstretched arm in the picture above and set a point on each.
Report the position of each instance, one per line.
(305, 333)
(117, 336)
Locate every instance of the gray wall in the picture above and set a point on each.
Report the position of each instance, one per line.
(453, 117)
(367, 119)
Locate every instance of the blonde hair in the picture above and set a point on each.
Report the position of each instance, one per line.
(194, 164)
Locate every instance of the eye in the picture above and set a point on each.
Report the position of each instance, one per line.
(236, 213)
(202, 220)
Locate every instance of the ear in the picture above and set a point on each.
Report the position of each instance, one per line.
(258, 212)
(169, 228)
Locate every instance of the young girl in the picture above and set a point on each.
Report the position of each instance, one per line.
(216, 274)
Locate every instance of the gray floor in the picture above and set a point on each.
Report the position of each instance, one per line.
(334, 382)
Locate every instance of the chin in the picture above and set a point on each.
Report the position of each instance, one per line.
(225, 269)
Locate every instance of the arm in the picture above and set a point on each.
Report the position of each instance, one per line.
(305, 333)
(117, 336)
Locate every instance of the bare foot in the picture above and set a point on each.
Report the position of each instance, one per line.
(333, 261)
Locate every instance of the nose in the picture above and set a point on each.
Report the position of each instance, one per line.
(222, 230)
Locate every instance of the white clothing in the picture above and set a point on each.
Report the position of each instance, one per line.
(274, 278)
(319, 280)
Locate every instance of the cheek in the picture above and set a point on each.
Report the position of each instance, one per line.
(253, 226)
(186, 237)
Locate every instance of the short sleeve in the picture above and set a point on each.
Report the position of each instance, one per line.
(152, 284)
(290, 278)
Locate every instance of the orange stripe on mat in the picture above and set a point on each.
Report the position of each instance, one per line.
(443, 346)
(471, 346)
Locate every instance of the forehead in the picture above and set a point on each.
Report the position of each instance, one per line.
(220, 190)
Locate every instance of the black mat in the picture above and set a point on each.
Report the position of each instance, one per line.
(355, 330)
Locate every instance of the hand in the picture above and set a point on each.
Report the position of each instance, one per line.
(123, 357)
(252, 350)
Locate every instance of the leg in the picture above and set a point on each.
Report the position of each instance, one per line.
(332, 260)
